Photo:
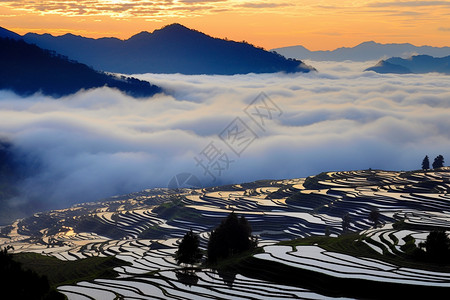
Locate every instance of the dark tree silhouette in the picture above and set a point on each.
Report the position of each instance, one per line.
(187, 278)
(227, 276)
(437, 246)
(232, 236)
(374, 216)
(21, 283)
(438, 162)
(188, 251)
(346, 222)
(426, 163)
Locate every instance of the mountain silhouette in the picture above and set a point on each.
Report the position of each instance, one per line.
(27, 69)
(363, 52)
(5, 33)
(386, 67)
(172, 49)
(416, 64)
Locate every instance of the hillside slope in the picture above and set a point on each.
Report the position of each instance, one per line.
(27, 69)
(416, 64)
(5, 33)
(305, 251)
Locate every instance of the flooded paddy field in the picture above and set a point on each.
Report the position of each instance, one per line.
(144, 229)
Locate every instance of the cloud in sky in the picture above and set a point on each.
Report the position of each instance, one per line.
(186, 8)
(409, 3)
(265, 4)
(267, 23)
(100, 143)
(122, 9)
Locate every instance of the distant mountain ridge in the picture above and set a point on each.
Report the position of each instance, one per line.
(172, 49)
(417, 64)
(363, 52)
(27, 69)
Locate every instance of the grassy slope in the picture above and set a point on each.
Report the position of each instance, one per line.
(61, 272)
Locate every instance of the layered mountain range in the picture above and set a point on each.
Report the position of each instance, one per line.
(172, 49)
(363, 52)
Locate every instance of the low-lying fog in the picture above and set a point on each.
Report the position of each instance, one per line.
(100, 142)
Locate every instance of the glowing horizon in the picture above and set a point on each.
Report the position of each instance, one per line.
(317, 25)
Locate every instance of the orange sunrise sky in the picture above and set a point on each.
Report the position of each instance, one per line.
(315, 24)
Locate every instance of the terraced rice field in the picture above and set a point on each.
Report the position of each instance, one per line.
(145, 228)
(316, 259)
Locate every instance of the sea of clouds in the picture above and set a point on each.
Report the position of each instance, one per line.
(100, 143)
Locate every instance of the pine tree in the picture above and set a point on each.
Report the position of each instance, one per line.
(438, 162)
(426, 163)
(437, 246)
(188, 250)
(232, 236)
(346, 222)
(374, 216)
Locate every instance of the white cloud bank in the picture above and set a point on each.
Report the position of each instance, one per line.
(100, 143)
